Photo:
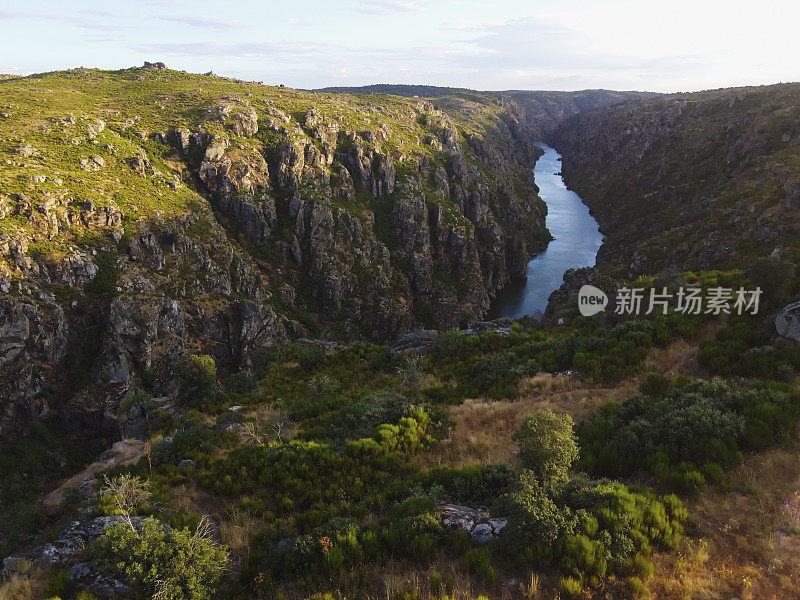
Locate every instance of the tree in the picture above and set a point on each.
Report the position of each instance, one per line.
(125, 493)
(320, 387)
(162, 563)
(410, 371)
(547, 445)
(196, 377)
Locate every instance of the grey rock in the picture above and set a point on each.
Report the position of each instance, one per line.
(788, 322)
(87, 578)
(481, 528)
(186, 463)
(501, 326)
(421, 342)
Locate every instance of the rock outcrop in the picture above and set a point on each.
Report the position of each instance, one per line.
(477, 523)
(788, 322)
(219, 225)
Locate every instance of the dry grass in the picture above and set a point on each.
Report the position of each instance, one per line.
(17, 588)
(25, 585)
(482, 428)
(737, 548)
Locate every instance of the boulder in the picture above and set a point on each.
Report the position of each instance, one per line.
(421, 342)
(788, 322)
(84, 576)
(481, 528)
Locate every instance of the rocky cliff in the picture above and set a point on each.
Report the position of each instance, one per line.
(146, 214)
(690, 181)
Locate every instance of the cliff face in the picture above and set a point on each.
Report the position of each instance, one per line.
(689, 181)
(546, 111)
(148, 214)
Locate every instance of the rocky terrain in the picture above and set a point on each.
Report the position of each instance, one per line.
(241, 352)
(690, 181)
(146, 214)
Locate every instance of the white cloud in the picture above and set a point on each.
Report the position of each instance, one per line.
(202, 22)
(386, 6)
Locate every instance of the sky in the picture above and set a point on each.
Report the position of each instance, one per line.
(677, 45)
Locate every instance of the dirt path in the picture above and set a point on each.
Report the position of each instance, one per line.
(124, 452)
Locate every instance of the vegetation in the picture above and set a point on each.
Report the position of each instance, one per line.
(687, 434)
(158, 562)
(325, 470)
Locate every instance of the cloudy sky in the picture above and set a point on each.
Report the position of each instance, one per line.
(679, 45)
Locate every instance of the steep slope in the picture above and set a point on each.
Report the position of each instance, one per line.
(690, 181)
(146, 213)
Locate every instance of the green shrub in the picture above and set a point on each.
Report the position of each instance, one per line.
(535, 522)
(241, 383)
(196, 377)
(309, 358)
(641, 566)
(266, 356)
(570, 587)
(775, 277)
(636, 587)
(435, 583)
(479, 562)
(451, 342)
(58, 584)
(703, 423)
(547, 445)
(655, 384)
(178, 565)
(363, 417)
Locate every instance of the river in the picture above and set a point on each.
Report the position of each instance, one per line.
(577, 240)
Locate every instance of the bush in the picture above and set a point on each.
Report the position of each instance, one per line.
(535, 522)
(775, 277)
(309, 358)
(265, 356)
(241, 383)
(547, 445)
(635, 586)
(498, 374)
(196, 377)
(435, 582)
(451, 342)
(364, 417)
(570, 586)
(641, 566)
(655, 384)
(57, 584)
(704, 423)
(479, 562)
(177, 565)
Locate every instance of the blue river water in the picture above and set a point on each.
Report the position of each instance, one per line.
(577, 240)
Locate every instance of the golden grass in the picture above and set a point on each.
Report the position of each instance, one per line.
(17, 588)
(482, 428)
(736, 548)
(24, 585)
